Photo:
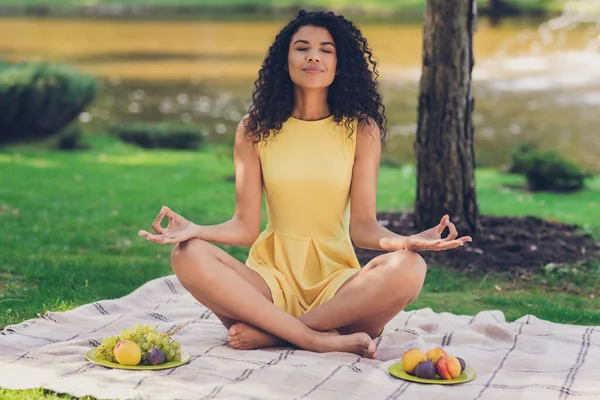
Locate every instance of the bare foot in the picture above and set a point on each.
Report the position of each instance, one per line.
(246, 337)
(357, 343)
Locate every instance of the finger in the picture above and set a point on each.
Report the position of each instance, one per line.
(156, 224)
(442, 225)
(451, 244)
(425, 244)
(169, 212)
(156, 238)
(453, 232)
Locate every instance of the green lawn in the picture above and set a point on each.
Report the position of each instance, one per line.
(70, 223)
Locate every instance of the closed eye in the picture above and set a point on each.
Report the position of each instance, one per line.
(324, 51)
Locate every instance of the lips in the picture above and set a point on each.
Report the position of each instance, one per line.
(312, 69)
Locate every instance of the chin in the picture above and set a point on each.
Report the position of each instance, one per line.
(313, 84)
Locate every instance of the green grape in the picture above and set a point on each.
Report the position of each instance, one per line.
(176, 345)
(177, 357)
(145, 346)
(172, 353)
(137, 326)
(165, 341)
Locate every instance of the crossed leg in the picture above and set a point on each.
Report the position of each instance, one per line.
(364, 303)
(241, 299)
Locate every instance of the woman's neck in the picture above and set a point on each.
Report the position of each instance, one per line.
(310, 104)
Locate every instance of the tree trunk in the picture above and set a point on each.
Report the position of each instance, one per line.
(444, 144)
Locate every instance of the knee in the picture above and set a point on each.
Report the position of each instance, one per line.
(193, 251)
(408, 270)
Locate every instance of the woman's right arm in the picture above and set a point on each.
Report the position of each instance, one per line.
(244, 227)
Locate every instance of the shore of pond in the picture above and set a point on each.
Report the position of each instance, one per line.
(261, 9)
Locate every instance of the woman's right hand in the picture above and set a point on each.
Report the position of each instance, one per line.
(178, 229)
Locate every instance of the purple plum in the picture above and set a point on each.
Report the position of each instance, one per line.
(155, 356)
(425, 370)
(462, 364)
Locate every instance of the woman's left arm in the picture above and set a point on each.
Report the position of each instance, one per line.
(365, 231)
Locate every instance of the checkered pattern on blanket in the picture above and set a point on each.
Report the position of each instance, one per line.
(526, 359)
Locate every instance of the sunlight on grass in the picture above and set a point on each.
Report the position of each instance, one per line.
(29, 162)
(146, 158)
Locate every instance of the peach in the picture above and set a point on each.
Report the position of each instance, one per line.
(128, 352)
(434, 354)
(411, 358)
(448, 367)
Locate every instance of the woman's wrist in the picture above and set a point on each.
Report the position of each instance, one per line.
(198, 231)
(394, 243)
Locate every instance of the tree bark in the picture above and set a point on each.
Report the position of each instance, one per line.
(444, 145)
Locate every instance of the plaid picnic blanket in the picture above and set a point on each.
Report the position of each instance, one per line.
(527, 359)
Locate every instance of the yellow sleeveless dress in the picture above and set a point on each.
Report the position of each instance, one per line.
(305, 253)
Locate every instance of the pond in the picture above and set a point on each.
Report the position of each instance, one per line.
(532, 81)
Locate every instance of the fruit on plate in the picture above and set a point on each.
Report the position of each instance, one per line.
(155, 356)
(436, 363)
(128, 353)
(426, 370)
(448, 367)
(411, 358)
(463, 364)
(435, 353)
(119, 349)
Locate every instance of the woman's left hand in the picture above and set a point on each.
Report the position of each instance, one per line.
(431, 239)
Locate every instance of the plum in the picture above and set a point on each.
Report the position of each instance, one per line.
(155, 356)
(426, 370)
(462, 364)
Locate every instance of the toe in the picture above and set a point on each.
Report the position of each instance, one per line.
(233, 330)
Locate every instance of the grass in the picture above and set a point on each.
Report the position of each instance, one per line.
(70, 223)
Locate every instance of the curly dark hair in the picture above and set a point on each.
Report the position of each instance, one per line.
(353, 93)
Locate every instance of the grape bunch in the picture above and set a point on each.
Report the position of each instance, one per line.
(146, 337)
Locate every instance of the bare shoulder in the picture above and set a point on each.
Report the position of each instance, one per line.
(242, 127)
(367, 129)
(243, 135)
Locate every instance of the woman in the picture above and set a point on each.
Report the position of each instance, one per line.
(312, 141)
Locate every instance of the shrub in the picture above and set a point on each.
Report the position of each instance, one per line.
(70, 139)
(549, 171)
(39, 100)
(520, 156)
(160, 135)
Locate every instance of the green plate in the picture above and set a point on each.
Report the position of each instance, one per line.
(467, 375)
(91, 356)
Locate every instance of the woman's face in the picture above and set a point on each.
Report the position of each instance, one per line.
(312, 58)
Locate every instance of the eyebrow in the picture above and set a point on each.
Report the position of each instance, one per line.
(322, 43)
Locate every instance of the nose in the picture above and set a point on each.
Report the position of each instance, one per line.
(313, 58)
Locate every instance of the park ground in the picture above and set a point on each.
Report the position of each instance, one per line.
(70, 223)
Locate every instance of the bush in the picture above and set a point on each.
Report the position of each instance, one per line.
(160, 135)
(520, 156)
(70, 139)
(39, 100)
(547, 171)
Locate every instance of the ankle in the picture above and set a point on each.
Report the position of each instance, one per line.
(315, 341)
